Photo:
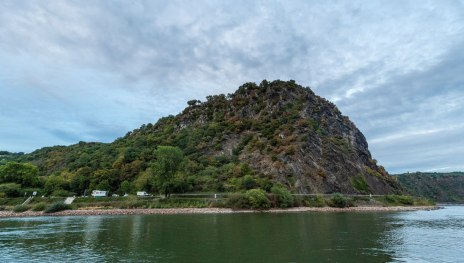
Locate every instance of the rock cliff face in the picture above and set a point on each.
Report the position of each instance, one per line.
(274, 132)
(283, 132)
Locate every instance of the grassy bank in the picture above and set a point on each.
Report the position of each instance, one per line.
(252, 200)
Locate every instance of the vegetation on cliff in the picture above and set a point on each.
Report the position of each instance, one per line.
(274, 133)
(442, 187)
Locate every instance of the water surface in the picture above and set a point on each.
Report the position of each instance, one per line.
(420, 236)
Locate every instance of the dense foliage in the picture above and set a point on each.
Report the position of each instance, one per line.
(274, 133)
(441, 187)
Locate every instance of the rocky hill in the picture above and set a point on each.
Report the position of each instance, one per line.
(442, 187)
(274, 132)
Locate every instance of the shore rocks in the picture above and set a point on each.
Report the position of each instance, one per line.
(171, 211)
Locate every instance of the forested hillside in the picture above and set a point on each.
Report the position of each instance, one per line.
(272, 133)
(442, 187)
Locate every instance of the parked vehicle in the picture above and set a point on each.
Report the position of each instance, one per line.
(143, 194)
(99, 193)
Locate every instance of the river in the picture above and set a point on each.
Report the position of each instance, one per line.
(419, 236)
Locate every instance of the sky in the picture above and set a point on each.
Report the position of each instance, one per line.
(86, 70)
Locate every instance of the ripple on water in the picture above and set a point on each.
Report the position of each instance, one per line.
(427, 236)
(420, 236)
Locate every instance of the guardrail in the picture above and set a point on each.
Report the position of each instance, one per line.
(224, 195)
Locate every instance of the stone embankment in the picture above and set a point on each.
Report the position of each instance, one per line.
(170, 211)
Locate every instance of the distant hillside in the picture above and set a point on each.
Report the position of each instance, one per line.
(274, 132)
(442, 187)
(6, 156)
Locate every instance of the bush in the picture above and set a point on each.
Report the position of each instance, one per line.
(238, 201)
(317, 201)
(248, 182)
(338, 200)
(423, 202)
(56, 207)
(258, 199)
(62, 193)
(283, 197)
(399, 199)
(360, 184)
(405, 200)
(20, 208)
(11, 189)
(39, 207)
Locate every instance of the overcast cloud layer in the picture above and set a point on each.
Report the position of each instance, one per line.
(92, 70)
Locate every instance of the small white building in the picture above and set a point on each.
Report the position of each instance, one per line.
(99, 193)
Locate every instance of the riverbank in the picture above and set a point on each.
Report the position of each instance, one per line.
(169, 211)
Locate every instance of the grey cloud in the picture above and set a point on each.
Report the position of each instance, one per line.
(420, 114)
(390, 65)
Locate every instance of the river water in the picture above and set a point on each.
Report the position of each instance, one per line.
(420, 236)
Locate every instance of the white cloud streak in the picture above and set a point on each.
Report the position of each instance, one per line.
(86, 70)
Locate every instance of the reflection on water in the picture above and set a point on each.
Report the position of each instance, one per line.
(428, 236)
(423, 236)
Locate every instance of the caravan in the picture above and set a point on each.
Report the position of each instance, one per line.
(99, 193)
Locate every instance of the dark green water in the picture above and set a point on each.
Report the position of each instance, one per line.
(422, 236)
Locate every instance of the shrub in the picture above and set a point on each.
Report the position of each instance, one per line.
(283, 197)
(318, 201)
(399, 199)
(56, 207)
(423, 202)
(258, 199)
(390, 199)
(62, 193)
(360, 184)
(338, 200)
(238, 201)
(405, 200)
(11, 189)
(20, 208)
(133, 202)
(248, 182)
(39, 207)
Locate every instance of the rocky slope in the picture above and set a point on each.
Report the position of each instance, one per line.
(274, 132)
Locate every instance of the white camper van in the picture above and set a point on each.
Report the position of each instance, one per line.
(99, 193)
(142, 194)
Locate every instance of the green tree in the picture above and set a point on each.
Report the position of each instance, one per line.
(79, 183)
(125, 187)
(25, 174)
(104, 185)
(143, 182)
(54, 183)
(169, 161)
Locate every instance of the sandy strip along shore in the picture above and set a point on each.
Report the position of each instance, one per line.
(170, 211)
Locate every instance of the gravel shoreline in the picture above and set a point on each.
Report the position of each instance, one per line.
(171, 211)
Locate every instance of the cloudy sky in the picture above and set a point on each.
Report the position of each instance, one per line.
(92, 70)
